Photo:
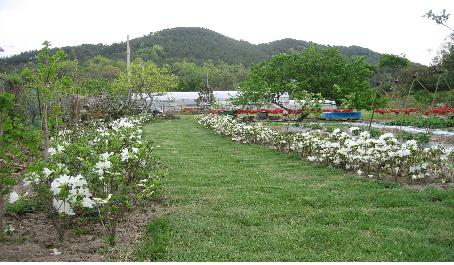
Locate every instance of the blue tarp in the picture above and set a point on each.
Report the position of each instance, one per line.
(341, 115)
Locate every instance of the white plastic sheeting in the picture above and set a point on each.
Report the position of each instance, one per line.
(178, 100)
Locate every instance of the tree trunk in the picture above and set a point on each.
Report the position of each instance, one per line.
(1, 185)
(77, 110)
(45, 127)
(145, 105)
(113, 230)
(278, 103)
(59, 226)
(2, 90)
(1, 125)
(2, 202)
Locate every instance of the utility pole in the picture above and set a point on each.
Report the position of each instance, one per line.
(128, 55)
(207, 80)
(128, 65)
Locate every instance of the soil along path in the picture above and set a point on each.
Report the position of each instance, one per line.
(234, 202)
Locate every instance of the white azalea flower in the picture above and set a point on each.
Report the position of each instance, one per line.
(52, 151)
(105, 156)
(63, 207)
(47, 171)
(55, 252)
(311, 158)
(101, 200)
(13, 197)
(103, 165)
(60, 148)
(125, 154)
(87, 202)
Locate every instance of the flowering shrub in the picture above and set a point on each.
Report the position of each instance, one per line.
(356, 151)
(103, 167)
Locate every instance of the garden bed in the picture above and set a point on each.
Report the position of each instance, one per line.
(34, 238)
(442, 137)
(369, 153)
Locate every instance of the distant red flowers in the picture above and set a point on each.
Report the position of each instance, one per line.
(275, 111)
(437, 111)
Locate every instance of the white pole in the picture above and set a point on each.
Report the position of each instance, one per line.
(128, 65)
(128, 55)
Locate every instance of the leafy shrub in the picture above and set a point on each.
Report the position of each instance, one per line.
(23, 206)
(373, 132)
(433, 122)
(421, 138)
(313, 126)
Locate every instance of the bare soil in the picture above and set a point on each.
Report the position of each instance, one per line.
(34, 237)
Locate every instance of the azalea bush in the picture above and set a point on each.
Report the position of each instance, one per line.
(355, 150)
(101, 168)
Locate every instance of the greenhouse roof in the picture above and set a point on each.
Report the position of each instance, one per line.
(220, 95)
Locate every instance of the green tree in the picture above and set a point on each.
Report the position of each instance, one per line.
(146, 80)
(221, 76)
(325, 72)
(393, 62)
(153, 53)
(190, 76)
(100, 67)
(48, 83)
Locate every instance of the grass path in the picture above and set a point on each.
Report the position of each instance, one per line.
(232, 202)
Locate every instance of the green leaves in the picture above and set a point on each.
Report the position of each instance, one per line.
(312, 70)
(393, 62)
(144, 77)
(46, 76)
(6, 102)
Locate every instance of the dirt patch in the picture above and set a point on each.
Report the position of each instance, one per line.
(34, 238)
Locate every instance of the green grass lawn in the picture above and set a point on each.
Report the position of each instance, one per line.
(235, 202)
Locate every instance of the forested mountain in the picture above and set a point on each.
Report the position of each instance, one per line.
(190, 44)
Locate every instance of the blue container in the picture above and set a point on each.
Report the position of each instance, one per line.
(355, 115)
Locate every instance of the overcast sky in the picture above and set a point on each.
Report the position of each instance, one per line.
(386, 26)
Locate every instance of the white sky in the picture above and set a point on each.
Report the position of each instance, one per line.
(386, 26)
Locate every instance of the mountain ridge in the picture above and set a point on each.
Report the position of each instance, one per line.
(193, 44)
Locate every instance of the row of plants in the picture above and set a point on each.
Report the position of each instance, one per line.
(431, 122)
(356, 150)
(99, 169)
(444, 110)
(420, 138)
